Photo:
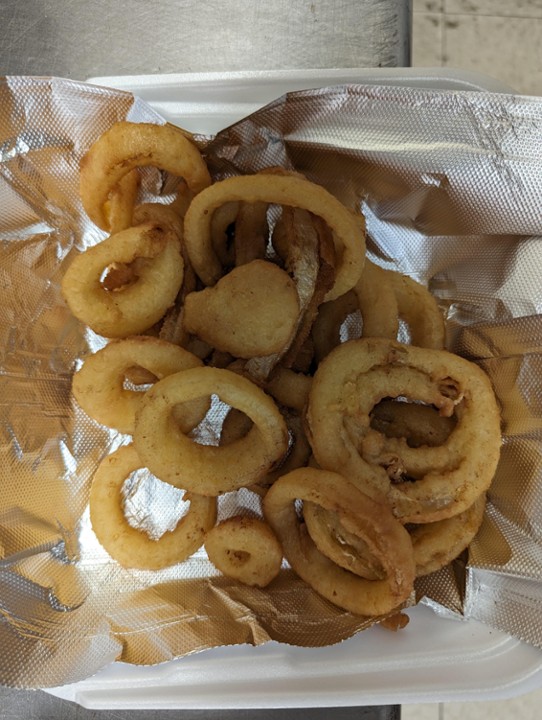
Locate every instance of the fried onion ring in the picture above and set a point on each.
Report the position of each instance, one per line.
(134, 307)
(434, 544)
(129, 546)
(348, 235)
(236, 425)
(126, 146)
(245, 549)
(208, 470)
(437, 544)
(357, 375)
(419, 309)
(251, 312)
(385, 536)
(99, 388)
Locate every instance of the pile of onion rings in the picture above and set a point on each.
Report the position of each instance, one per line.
(371, 448)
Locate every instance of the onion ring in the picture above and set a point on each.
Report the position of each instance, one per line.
(250, 312)
(419, 309)
(125, 146)
(208, 470)
(437, 544)
(133, 548)
(343, 387)
(384, 535)
(236, 425)
(245, 549)
(131, 309)
(98, 385)
(348, 235)
(434, 544)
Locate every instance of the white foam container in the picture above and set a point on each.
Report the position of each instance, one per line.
(435, 658)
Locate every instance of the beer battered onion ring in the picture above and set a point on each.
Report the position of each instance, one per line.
(360, 373)
(205, 469)
(133, 548)
(125, 146)
(348, 230)
(386, 538)
(435, 544)
(245, 549)
(99, 388)
(132, 308)
(419, 309)
(382, 297)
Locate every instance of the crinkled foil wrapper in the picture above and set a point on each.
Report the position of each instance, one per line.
(450, 183)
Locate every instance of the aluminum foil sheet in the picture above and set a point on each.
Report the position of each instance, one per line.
(450, 184)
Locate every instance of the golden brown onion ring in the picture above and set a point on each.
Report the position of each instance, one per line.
(384, 535)
(437, 544)
(129, 546)
(434, 544)
(125, 146)
(206, 469)
(353, 379)
(251, 312)
(419, 309)
(245, 549)
(348, 235)
(133, 308)
(99, 388)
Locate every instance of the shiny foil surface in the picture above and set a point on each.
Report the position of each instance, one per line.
(449, 182)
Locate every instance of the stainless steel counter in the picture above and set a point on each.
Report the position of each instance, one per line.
(78, 40)
(73, 39)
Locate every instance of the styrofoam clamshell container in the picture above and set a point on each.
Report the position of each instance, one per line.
(436, 658)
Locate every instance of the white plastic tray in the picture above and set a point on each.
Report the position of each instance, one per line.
(208, 102)
(432, 660)
(435, 659)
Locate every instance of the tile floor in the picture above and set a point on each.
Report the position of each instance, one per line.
(500, 38)
(503, 39)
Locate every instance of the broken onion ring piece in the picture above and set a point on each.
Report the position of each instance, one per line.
(246, 549)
